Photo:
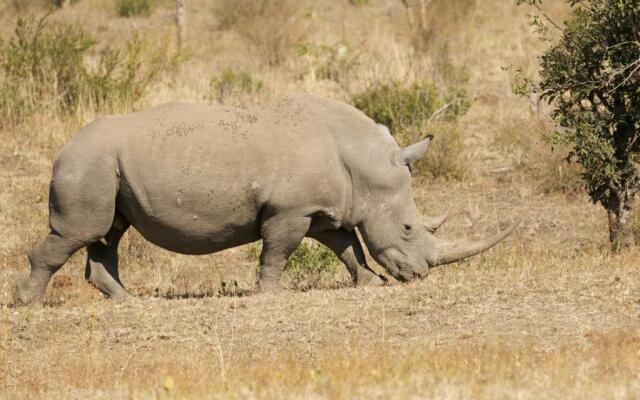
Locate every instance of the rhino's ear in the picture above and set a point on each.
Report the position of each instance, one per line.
(416, 151)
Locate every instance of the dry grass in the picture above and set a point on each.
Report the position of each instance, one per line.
(549, 314)
(272, 27)
(501, 326)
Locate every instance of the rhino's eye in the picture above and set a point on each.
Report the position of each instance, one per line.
(407, 227)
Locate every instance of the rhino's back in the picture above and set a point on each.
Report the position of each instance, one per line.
(194, 179)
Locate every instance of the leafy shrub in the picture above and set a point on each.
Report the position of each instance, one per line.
(309, 263)
(134, 8)
(272, 27)
(233, 84)
(409, 111)
(309, 266)
(397, 107)
(42, 67)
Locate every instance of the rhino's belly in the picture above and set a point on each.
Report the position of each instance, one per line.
(183, 228)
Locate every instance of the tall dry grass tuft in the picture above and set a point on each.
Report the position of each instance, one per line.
(49, 67)
(235, 88)
(272, 27)
(546, 169)
(434, 22)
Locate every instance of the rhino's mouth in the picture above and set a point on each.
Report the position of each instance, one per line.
(401, 271)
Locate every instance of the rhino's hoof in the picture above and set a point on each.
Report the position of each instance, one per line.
(267, 288)
(371, 280)
(121, 297)
(375, 281)
(25, 292)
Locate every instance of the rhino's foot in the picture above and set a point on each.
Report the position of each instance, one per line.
(121, 297)
(267, 287)
(26, 291)
(111, 289)
(102, 267)
(368, 278)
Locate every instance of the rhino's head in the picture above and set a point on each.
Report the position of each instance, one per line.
(394, 231)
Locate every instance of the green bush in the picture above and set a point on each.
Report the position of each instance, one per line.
(410, 111)
(313, 260)
(311, 265)
(397, 107)
(134, 8)
(42, 68)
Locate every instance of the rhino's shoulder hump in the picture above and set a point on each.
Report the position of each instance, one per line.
(323, 109)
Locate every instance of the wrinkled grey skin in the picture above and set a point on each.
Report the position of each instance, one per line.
(199, 179)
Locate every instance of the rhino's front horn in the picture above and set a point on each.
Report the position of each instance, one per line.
(453, 252)
(415, 152)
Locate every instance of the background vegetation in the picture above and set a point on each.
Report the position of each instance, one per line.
(590, 78)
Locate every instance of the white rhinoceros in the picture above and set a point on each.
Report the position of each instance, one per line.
(198, 179)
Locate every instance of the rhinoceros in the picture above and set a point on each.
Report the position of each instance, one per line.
(198, 179)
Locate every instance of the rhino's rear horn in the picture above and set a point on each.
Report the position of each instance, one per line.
(416, 151)
(433, 224)
(450, 253)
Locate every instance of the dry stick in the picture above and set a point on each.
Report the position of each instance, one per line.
(126, 364)
(383, 326)
(438, 112)
(181, 22)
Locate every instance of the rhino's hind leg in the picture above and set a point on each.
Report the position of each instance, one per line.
(46, 258)
(102, 262)
(347, 247)
(82, 198)
(280, 237)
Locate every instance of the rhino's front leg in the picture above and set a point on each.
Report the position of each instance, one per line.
(347, 247)
(281, 234)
